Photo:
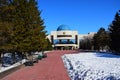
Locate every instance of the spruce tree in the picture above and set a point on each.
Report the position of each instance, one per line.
(101, 39)
(95, 42)
(49, 44)
(5, 24)
(86, 43)
(38, 34)
(114, 33)
(24, 26)
(29, 33)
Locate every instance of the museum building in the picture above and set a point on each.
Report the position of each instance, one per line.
(64, 38)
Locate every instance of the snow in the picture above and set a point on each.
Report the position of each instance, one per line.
(92, 66)
(2, 69)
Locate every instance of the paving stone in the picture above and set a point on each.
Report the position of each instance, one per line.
(50, 68)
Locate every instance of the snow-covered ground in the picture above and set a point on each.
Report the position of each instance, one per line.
(92, 66)
(2, 69)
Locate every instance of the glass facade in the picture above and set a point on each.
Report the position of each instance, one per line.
(64, 41)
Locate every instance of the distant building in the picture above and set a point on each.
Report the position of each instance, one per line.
(65, 38)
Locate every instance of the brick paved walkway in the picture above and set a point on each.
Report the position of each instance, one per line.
(50, 68)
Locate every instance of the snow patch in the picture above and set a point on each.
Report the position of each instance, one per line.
(92, 66)
(2, 69)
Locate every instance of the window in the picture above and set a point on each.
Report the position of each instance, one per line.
(64, 35)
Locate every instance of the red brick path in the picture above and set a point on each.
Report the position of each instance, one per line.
(50, 68)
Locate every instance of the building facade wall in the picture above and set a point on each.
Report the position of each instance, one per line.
(62, 38)
(65, 35)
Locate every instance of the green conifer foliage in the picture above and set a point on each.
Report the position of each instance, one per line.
(101, 39)
(6, 10)
(29, 30)
(114, 33)
(21, 27)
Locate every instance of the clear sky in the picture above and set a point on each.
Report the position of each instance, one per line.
(82, 15)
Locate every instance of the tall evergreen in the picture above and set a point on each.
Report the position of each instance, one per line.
(49, 44)
(114, 32)
(21, 27)
(95, 42)
(101, 39)
(86, 43)
(46, 45)
(28, 26)
(6, 10)
(6, 26)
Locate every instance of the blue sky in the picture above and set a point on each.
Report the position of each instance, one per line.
(82, 15)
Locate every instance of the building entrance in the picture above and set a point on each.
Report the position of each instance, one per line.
(63, 48)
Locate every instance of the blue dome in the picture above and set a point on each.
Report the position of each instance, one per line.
(63, 27)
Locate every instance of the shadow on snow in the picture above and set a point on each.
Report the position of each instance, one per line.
(107, 55)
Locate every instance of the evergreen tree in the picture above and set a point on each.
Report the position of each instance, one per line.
(114, 33)
(49, 45)
(5, 36)
(37, 27)
(29, 33)
(5, 24)
(86, 43)
(101, 39)
(46, 45)
(95, 42)
(21, 27)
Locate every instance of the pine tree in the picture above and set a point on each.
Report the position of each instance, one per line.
(95, 42)
(23, 26)
(114, 33)
(5, 24)
(86, 43)
(37, 28)
(29, 33)
(49, 44)
(101, 39)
